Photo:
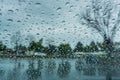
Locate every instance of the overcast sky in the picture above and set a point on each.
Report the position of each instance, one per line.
(52, 20)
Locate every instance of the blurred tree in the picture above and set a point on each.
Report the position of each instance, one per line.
(20, 49)
(16, 39)
(50, 50)
(39, 47)
(2, 46)
(78, 47)
(102, 47)
(86, 48)
(32, 46)
(64, 49)
(36, 46)
(99, 16)
(93, 47)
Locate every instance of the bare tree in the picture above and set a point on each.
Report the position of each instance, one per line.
(102, 16)
(16, 39)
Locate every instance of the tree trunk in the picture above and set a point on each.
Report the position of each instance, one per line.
(108, 44)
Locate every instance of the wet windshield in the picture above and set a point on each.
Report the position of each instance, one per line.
(59, 39)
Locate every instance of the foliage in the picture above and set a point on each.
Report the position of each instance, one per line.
(53, 50)
(64, 49)
(2, 46)
(78, 47)
(20, 49)
(32, 46)
(50, 50)
(36, 46)
(86, 48)
(99, 16)
(93, 47)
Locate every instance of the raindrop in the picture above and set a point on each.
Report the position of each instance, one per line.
(10, 10)
(30, 28)
(49, 29)
(67, 3)
(17, 9)
(77, 15)
(8, 25)
(18, 21)
(63, 21)
(38, 3)
(38, 34)
(0, 13)
(70, 11)
(21, 0)
(5, 30)
(29, 3)
(52, 14)
(42, 12)
(27, 18)
(28, 31)
(118, 4)
(65, 28)
(59, 14)
(9, 34)
(43, 20)
(113, 19)
(71, 6)
(59, 8)
(28, 15)
(10, 20)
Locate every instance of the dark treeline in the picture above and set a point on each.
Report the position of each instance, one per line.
(61, 50)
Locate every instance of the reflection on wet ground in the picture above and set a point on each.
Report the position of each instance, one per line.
(56, 69)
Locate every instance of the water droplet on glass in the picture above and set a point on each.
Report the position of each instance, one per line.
(11, 20)
(58, 9)
(38, 3)
(5, 30)
(28, 15)
(10, 10)
(67, 3)
(38, 34)
(63, 21)
(0, 13)
(18, 21)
